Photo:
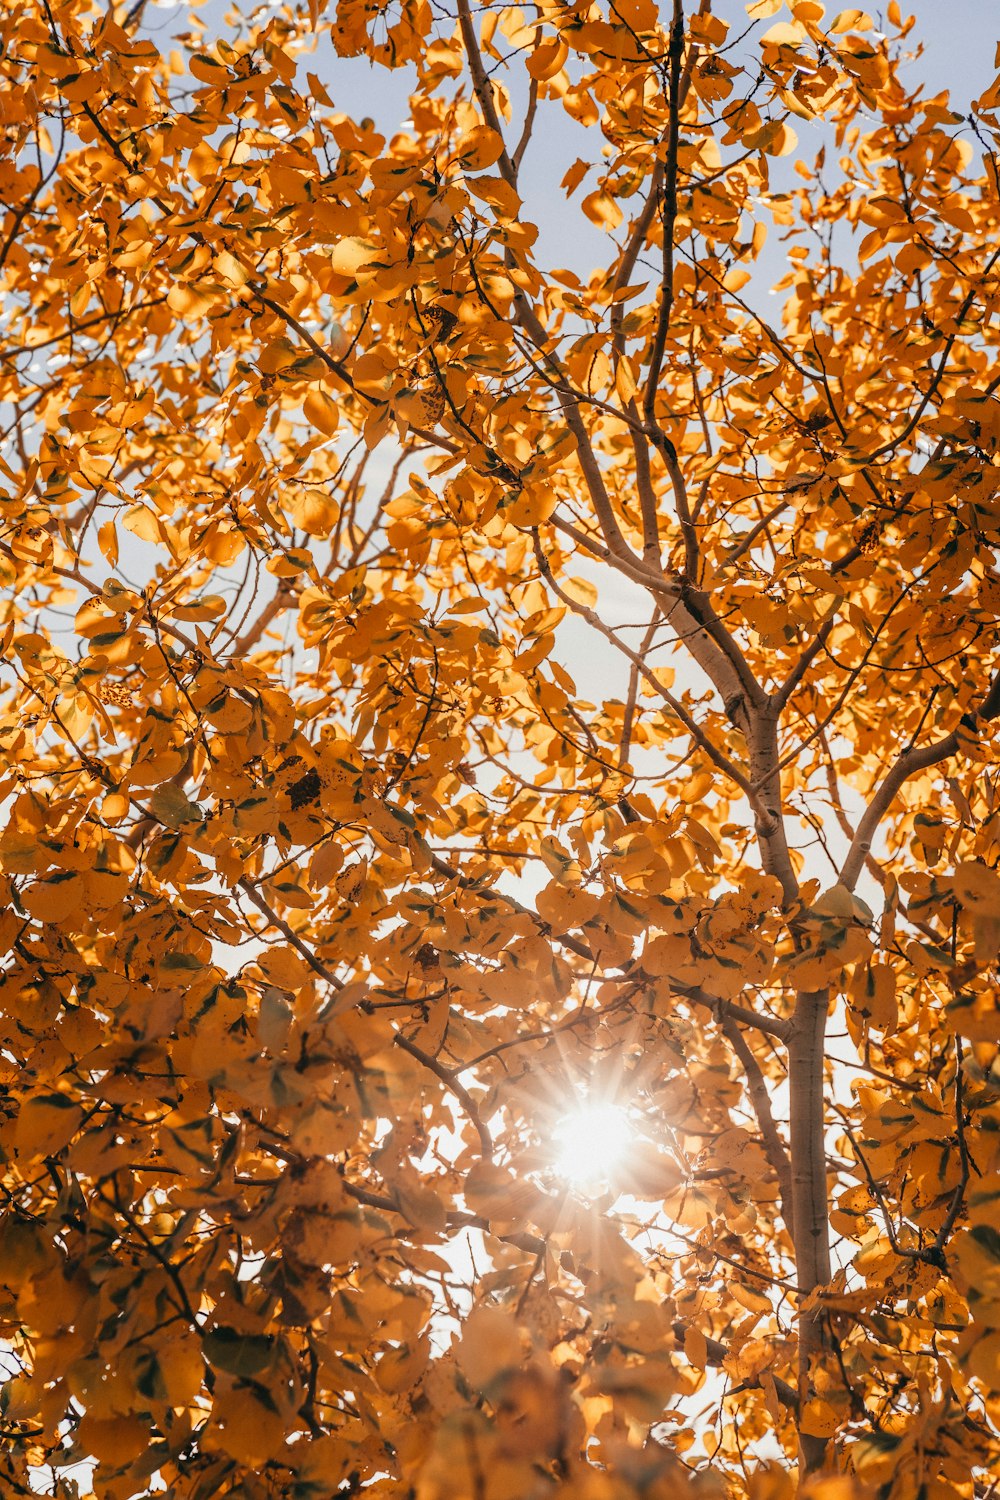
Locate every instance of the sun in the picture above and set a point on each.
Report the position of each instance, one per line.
(591, 1142)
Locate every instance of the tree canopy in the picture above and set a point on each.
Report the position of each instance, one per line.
(500, 908)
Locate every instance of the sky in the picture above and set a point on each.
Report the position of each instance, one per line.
(960, 38)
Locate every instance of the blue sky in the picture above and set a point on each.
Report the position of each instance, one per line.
(959, 39)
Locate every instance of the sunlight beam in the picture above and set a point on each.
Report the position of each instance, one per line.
(591, 1142)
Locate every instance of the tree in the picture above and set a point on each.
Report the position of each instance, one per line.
(454, 703)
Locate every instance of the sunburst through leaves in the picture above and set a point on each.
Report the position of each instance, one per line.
(499, 809)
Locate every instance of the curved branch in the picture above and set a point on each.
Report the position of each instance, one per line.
(774, 1147)
(675, 54)
(911, 761)
(447, 1077)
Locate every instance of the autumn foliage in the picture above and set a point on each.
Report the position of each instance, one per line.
(445, 691)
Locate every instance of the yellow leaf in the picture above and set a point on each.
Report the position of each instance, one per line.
(55, 899)
(490, 1346)
(322, 412)
(182, 1368)
(647, 1172)
(113, 1440)
(208, 607)
(479, 148)
(318, 90)
(837, 903)
(625, 382)
(785, 34)
(46, 1123)
(851, 20)
(278, 355)
(107, 540)
(208, 70)
(735, 279)
(575, 176)
(694, 790)
(245, 1428)
(325, 865)
(314, 512)
(468, 606)
(319, 1130)
(819, 1418)
(422, 1206)
(499, 1195)
(782, 141)
(189, 301)
(398, 1369)
(230, 269)
(543, 620)
(580, 589)
(696, 1348)
(977, 888)
(231, 716)
(984, 1361)
(547, 58)
(351, 254)
(978, 1253)
(281, 965)
(497, 193)
(141, 521)
(602, 210)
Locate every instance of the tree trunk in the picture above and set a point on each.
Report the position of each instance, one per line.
(810, 1212)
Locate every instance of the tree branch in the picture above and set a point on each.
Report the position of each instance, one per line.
(774, 1146)
(911, 761)
(449, 1080)
(675, 54)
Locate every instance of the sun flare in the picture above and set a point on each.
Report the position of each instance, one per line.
(591, 1143)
